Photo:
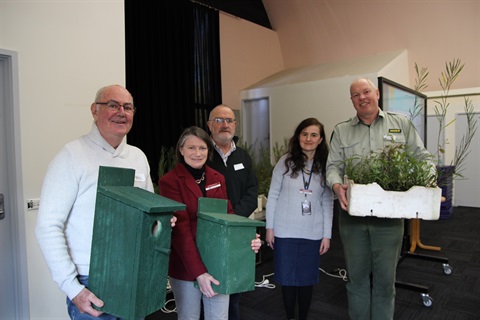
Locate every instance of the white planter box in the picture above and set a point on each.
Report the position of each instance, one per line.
(371, 200)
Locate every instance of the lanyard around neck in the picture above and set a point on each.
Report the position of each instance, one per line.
(305, 183)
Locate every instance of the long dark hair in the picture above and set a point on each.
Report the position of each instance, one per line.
(295, 159)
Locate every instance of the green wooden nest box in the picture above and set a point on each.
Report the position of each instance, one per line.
(130, 245)
(224, 242)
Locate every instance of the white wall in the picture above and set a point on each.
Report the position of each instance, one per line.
(296, 95)
(457, 106)
(66, 51)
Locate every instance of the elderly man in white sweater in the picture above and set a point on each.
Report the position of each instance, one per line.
(65, 218)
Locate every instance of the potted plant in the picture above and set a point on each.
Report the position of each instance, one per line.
(393, 169)
(263, 167)
(448, 172)
(397, 175)
(392, 183)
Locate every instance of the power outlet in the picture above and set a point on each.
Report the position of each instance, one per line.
(33, 204)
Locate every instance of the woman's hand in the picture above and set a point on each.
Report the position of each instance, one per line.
(173, 220)
(324, 246)
(270, 238)
(205, 284)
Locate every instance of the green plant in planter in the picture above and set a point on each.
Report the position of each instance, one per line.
(262, 162)
(166, 163)
(167, 160)
(446, 80)
(393, 168)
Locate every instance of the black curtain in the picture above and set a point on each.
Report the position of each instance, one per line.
(172, 71)
(208, 87)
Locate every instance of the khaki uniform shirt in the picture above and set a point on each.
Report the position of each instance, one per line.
(354, 138)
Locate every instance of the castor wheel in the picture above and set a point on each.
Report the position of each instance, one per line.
(427, 300)
(447, 269)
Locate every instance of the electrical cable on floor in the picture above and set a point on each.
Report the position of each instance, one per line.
(169, 290)
(337, 273)
(166, 310)
(265, 283)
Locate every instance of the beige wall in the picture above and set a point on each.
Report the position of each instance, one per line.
(315, 32)
(249, 53)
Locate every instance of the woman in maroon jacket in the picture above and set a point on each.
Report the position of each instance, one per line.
(189, 180)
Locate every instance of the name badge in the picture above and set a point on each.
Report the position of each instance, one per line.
(388, 137)
(238, 166)
(395, 130)
(213, 186)
(306, 207)
(306, 191)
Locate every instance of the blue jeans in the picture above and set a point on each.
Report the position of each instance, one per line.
(75, 314)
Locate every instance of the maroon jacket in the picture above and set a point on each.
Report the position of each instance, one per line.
(179, 185)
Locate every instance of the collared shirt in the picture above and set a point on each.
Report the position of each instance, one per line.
(353, 138)
(242, 185)
(233, 147)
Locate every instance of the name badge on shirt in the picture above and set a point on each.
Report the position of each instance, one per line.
(238, 166)
(306, 207)
(394, 130)
(306, 191)
(213, 186)
(388, 137)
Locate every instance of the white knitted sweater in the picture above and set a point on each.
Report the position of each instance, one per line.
(67, 203)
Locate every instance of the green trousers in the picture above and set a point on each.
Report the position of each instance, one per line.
(372, 249)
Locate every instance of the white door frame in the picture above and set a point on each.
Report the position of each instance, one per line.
(14, 197)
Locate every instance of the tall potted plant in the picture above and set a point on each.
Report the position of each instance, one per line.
(394, 170)
(447, 172)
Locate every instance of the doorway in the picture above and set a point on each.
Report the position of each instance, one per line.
(14, 303)
(256, 124)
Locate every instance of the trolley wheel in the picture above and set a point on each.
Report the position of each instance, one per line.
(427, 300)
(447, 269)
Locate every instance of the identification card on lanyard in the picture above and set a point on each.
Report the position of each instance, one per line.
(306, 204)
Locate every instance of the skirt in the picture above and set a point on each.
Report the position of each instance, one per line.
(296, 261)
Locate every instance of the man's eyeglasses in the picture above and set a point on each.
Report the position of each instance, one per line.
(222, 120)
(114, 105)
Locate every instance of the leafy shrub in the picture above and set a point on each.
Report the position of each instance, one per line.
(393, 168)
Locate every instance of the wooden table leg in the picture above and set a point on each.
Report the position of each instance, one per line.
(415, 237)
